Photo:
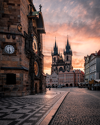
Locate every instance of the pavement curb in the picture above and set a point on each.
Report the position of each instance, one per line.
(45, 120)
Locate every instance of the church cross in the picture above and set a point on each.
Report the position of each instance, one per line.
(40, 7)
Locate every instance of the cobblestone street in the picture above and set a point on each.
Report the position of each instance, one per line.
(27, 110)
(80, 107)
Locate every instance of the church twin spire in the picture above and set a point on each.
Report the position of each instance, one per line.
(67, 50)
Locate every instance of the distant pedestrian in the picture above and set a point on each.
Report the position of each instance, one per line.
(49, 87)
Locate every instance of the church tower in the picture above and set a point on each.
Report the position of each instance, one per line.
(55, 57)
(68, 57)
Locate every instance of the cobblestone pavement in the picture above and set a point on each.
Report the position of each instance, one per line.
(80, 107)
(27, 110)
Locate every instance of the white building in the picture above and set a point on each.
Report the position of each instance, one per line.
(92, 66)
(52, 80)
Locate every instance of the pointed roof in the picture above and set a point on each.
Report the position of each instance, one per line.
(55, 45)
(55, 48)
(68, 48)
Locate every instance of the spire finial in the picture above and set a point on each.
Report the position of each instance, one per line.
(40, 7)
(55, 42)
(67, 36)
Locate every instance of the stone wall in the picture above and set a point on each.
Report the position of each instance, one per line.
(22, 86)
(10, 17)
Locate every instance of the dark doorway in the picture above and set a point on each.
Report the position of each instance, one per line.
(67, 85)
(71, 85)
(35, 88)
(10, 79)
(52, 85)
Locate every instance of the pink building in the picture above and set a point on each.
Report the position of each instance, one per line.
(79, 77)
(71, 78)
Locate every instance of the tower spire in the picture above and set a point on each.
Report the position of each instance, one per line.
(68, 48)
(55, 48)
(55, 42)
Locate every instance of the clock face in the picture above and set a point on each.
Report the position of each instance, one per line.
(34, 45)
(9, 49)
(36, 68)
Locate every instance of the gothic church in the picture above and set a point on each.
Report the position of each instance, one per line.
(60, 64)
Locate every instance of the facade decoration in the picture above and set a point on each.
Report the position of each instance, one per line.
(21, 58)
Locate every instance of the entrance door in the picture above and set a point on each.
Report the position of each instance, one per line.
(35, 88)
(11, 79)
(67, 85)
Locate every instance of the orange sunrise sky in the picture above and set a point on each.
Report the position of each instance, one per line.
(79, 19)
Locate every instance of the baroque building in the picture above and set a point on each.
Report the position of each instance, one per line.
(92, 67)
(21, 58)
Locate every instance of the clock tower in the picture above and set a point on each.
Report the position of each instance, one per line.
(21, 58)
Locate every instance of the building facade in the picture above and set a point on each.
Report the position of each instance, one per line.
(79, 77)
(21, 58)
(63, 69)
(52, 80)
(92, 66)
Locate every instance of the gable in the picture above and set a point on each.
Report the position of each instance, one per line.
(92, 57)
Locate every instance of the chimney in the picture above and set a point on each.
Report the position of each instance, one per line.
(96, 53)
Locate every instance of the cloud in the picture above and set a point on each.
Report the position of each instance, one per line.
(78, 62)
(79, 19)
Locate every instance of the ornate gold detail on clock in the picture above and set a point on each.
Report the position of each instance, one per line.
(34, 45)
(19, 27)
(36, 68)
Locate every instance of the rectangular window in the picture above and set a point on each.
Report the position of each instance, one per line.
(10, 79)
